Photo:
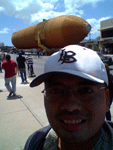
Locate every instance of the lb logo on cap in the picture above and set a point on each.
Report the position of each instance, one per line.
(67, 57)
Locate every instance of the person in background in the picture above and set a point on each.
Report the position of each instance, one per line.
(10, 68)
(21, 66)
(76, 99)
(29, 62)
(2, 58)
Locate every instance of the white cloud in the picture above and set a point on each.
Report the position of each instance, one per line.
(24, 10)
(4, 31)
(1, 8)
(105, 18)
(7, 7)
(74, 11)
(79, 3)
(95, 24)
(27, 10)
(44, 15)
(50, 1)
(36, 10)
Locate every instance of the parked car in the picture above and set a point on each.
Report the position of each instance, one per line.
(106, 59)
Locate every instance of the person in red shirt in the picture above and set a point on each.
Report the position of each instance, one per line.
(10, 68)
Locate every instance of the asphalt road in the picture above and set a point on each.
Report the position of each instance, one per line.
(39, 64)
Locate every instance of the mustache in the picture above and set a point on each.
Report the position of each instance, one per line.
(73, 113)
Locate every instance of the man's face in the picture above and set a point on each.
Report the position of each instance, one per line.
(76, 116)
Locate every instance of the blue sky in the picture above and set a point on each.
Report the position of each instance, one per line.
(18, 14)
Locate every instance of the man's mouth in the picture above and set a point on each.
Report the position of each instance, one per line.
(72, 124)
(72, 121)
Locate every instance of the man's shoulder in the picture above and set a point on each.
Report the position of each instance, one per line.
(4, 62)
(108, 127)
(20, 58)
(110, 123)
(36, 140)
(23, 57)
(17, 57)
(105, 141)
(41, 133)
(13, 61)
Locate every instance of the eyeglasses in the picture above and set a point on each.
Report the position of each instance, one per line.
(61, 93)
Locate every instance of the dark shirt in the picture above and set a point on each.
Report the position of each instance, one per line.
(21, 62)
(37, 140)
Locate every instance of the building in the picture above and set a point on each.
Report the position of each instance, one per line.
(1, 44)
(106, 35)
(92, 44)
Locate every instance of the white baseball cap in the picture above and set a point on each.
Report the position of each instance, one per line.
(75, 60)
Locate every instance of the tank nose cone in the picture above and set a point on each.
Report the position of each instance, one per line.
(88, 27)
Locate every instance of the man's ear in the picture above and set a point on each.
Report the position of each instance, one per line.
(107, 100)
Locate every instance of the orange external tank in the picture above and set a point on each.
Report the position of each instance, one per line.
(54, 33)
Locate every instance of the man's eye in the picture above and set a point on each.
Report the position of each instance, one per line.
(86, 90)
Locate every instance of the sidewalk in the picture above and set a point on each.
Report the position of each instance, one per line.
(21, 115)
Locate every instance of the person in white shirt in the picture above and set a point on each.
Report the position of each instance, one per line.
(29, 61)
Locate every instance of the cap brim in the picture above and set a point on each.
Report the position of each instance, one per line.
(38, 80)
(42, 78)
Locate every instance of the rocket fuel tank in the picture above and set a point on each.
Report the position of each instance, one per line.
(54, 33)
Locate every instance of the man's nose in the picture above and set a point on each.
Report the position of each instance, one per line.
(72, 102)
